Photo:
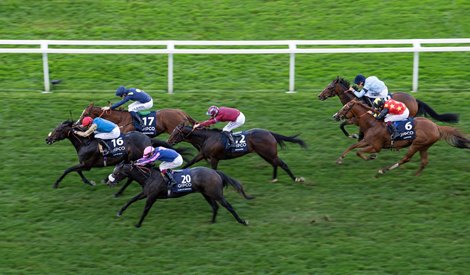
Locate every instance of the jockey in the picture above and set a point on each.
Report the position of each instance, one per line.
(142, 101)
(233, 116)
(371, 88)
(169, 159)
(102, 128)
(392, 110)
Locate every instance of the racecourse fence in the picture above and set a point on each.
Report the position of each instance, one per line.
(290, 47)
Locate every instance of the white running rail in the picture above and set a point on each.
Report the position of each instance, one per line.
(291, 47)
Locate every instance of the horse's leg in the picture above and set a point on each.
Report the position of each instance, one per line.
(424, 161)
(119, 193)
(197, 158)
(78, 167)
(214, 206)
(370, 150)
(139, 196)
(341, 126)
(84, 179)
(229, 207)
(359, 144)
(150, 201)
(411, 151)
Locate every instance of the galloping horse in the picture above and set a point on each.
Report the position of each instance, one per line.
(208, 182)
(89, 155)
(339, 87)
(211, 146)
(167, 119)
(376, 136)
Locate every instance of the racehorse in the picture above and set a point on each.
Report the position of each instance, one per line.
(166, 119)
(89, 155)
(339, 87)
(208, 182)
(376, 136)
(212, 148)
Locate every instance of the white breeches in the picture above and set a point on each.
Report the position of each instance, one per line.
(169, 165)
(235, 124)
(381, 94)
(139, 106)
(113, 134)
(403, 116)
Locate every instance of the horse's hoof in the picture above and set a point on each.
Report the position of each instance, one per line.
(117, 195)
(138, 225)
(274, 180)
(55, 186)
(300, 179)
(373, 156)
(355, 136)
(91, 183)
(339, 161)
(381, 172)
(118, 214)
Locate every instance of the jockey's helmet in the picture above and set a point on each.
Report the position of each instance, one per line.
(359, 78)
(148, 151)
(212, 111)
(378, 103)
(121, 91)
(86, 121)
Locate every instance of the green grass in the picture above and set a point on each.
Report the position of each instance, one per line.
(342, 220)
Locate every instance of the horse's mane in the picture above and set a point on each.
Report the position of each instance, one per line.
(343, 81)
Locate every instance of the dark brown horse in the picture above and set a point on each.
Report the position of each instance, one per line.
(167, 119)
(376, 136)
(210, 183)
(339, 87)
(211, 146)
(88, 154)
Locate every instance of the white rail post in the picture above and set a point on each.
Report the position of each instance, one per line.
(416, 47)
(170, 47)
(45, 67)
(292, 47)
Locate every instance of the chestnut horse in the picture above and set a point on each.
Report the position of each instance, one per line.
(376, 136)
(211, 146)
(167, 119)
(339, 87)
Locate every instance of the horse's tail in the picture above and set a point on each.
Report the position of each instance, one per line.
(236, 184)
(425, 110)
(454, 137)
(280, 140)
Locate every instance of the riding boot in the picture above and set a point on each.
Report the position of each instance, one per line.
(367, 100)
(138, 126)
(105, 146)
(170, 180)
(229, 136)
(392, 130)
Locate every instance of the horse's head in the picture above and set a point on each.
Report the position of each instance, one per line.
(336, 87)
(179, 134)
(90, 111)
(60, 132)
(353, 108)
(124, 170)
(120, 172)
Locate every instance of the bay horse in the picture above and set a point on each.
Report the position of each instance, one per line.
(208, 182)
(211, 147)
(376, 136)
(167, 119)
(339, 87)
(88, 154)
